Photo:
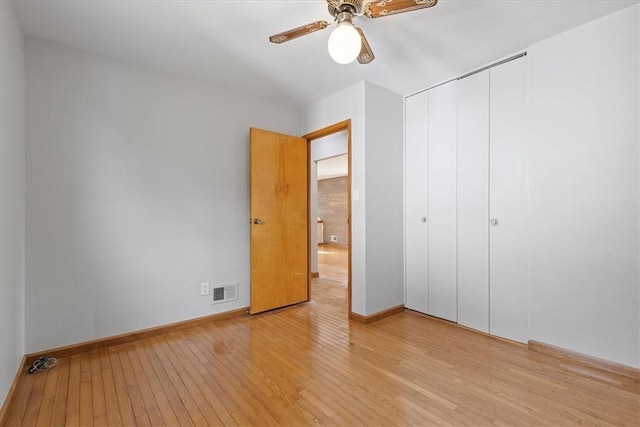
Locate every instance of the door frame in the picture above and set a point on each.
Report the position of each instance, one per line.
(344, 125)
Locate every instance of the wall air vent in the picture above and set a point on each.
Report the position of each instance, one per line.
(225, 293)
(218, 294)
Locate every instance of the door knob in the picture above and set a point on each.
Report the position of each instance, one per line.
(423, 219)
(494, 221)
(257, 221)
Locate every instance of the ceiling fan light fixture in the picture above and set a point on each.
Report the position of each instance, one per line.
(347, 42)
(344, 42)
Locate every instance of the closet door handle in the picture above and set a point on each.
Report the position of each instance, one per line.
(423, 219)
(494, 221)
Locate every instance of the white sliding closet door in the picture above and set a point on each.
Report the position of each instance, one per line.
(473, 201)
(442, 202)
(509, 201)
(416, 202)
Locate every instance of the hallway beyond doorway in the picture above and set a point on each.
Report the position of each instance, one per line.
(333, 263)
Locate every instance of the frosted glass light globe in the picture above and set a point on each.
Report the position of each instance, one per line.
(344, 43)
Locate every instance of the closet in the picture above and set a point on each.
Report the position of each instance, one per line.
(430, 201)
(508, 196)
(473, 201)
(466, 201)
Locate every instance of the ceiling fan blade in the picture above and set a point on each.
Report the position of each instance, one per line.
(298, 32)
(366, 54)
(381, 8)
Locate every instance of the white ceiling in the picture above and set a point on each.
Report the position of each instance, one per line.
(333, 167)
(226, 42)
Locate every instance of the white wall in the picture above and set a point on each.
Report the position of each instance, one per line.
(12, 197)
(384, 186)
(376, 178)
(137, 191)
(584, 189)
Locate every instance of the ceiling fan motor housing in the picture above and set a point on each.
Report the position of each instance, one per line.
(352, 6)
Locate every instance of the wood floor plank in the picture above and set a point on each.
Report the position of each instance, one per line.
(189, 393)
(223, 391)
(86, 392)
(309, 365)
(61, 395)
(48, 396)
(35, 399)
(181, 413)
(198, 373)
(166, 410)
(297, 364)
(97, 387)
(148, 397)
(112, 407)
(124, 400)
(133, 392)
(251, 409)
(73, 392)
(280, 405)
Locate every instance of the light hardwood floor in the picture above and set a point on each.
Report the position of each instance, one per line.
(333, 263)
(308, 365)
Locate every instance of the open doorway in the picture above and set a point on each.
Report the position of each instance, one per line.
(332, 213)
(330, 206)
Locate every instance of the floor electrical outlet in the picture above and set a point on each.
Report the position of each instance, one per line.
(204, 288)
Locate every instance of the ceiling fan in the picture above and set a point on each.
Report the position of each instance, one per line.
(347, 42)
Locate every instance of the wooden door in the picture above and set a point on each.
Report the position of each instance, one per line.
(473, 201)
(509, 241)
(279, 220)
(442, 202)
(416, 203)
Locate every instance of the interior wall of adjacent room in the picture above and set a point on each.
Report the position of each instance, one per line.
(332, 208)
(137, 191)
(12, 197)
